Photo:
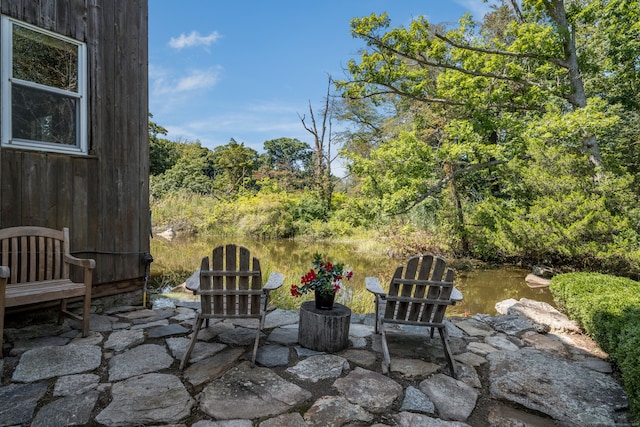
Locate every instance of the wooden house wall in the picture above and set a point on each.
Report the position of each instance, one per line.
(103, 197)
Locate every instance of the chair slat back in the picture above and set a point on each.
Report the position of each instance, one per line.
(34, 254)
(231, 285)
(422, 294)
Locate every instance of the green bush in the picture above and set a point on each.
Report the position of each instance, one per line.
(608, 308)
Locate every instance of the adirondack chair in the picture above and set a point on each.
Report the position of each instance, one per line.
(36, 266)
(231, 288)
(420, 297)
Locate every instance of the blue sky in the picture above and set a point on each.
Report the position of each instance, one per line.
(245, 69)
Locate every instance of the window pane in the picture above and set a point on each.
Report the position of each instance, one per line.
(42, 116)
(43, 59)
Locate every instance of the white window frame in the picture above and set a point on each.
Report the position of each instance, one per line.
(6, 71)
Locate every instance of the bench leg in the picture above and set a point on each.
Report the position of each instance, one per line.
(2, 328)
(86, 315)
(63, 310)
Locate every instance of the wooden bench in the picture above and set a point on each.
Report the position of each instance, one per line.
(35, 267)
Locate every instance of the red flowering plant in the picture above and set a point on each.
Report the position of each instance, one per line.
(324, 278)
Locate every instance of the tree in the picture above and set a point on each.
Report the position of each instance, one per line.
(162, 152)
(191, 172)
(487, 88)
(322, 139)
(234, 165)
(288, 161)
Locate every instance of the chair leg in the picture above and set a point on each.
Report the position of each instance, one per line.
(447, 351)
(192, 344)
(385, 348)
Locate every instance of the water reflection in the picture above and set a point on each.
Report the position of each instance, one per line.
(481, 288)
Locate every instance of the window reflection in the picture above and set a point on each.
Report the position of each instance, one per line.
(43, 116)
(40, 58)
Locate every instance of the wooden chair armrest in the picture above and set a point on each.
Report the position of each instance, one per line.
(456, 295)
(274, 281)
(86, 263)
(373, 285)
(4, 272)
(193, 282)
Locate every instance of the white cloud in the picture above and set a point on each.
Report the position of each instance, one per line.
(193, 39)
(163, 83)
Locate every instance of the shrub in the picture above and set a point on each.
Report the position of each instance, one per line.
(608, 308)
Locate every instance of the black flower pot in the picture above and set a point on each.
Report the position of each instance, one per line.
(324, 301)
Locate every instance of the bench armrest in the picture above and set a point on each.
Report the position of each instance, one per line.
(4, 272)
(86, 263)
(274, 282)
(373, 285)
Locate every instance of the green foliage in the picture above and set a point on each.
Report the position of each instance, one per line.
(608, 308)
(234, 165)
(396, 172)
(163, 153)
(191, 172)
(556, 213)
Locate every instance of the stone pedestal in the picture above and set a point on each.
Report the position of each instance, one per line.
(324, 330)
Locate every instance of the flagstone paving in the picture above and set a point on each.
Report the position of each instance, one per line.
(514, 369)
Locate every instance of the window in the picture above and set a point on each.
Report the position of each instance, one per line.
(43, 92)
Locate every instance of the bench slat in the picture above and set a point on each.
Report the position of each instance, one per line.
(48, 290)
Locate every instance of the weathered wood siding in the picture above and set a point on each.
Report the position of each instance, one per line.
(103, 197)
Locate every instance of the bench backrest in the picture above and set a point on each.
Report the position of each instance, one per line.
(230, 283)
(34, 254)
(422, 294)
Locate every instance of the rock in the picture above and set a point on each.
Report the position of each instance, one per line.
(505, 416)
(514, 325)
(201, 350)
(19, 401)
(49, 362)
(503, 342)
(556, 387)
(121, 340)
(250, 392)
(362, 358)
(474, 327)
(481, 348)
(543, 271)
(239, 336)
(373, 391)
(417, 401)
(68, 411)
(167, 331)
(454, 399)
(541, 312)
(271, 356)
(293, 419)
(139, 360)
(279, 317)
(147, 399)
(76, 384)
(329, 411)
(545, 343)
(284, 336)
(470, 359)
(413, 368)
(322, 367)
(409, 419)
(212, 367)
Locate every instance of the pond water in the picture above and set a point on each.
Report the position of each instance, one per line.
(481, 288)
